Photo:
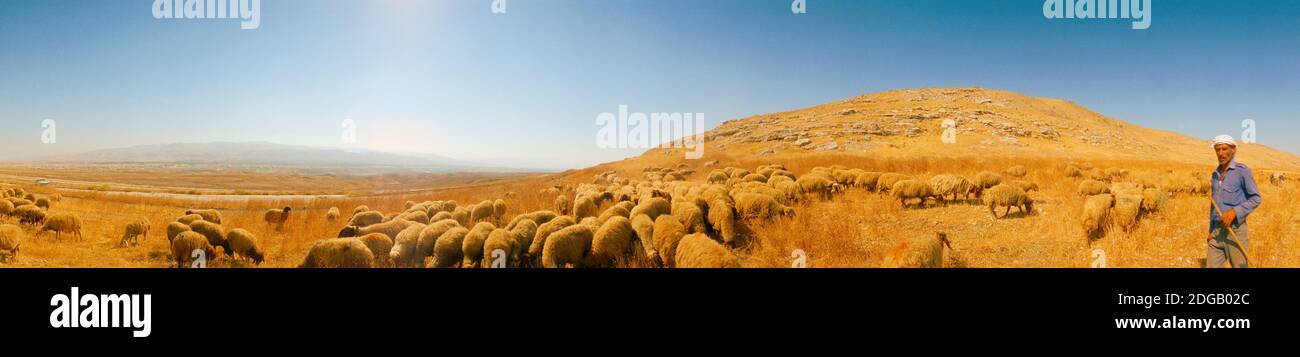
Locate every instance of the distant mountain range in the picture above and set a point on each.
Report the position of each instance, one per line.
(263, 153)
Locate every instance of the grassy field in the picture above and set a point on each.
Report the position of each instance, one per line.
(854, 229)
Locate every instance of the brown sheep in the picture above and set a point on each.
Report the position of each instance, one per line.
(213, 232)
(134, 230)
(925, 252)
(472, 246)
(60, 223)
(449, 251)
(1008, 196)
(338, 253)
(570, 246)
(184, 249)
(380, 243)
(612, 242)
(244, 243)
(667, 233)
(700, 251)
(332, 214)
(543, 232)
(277, 217)
(209, 215)
(722, 217)
(11, 237)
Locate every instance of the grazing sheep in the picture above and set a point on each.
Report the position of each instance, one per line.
(1008, 196)
(1072, 170)
(209, 215)
(1154, 200)
(441, 216)
(921, 252)
(134, 230)
(481, 212)
(18, 202)
(338, 253)
(11, 237)
(213, 232)
(332, 215)
(611, 212)
(429, 238)
(1016, 171)
(538, 217)
(189, 218)
(498, 210)
(667, 233)
(653, 207)
(1096, 212)
(612, 242)
(700, 251)
(691, 216)
(43, 202)
(176, 228)
(6, 208)
(544, 231)
(366, 219)
(404, 253)
(562, 204)
(867, 180)
(185, 244)
(244, 243)
(569, 246)
(722, 217)
(472, 246)
(380, 243)
(504, 241)
(359, 209)
(887, 180)
(943, 185)
(449, 251)
(390, 228)
(987, 179)
(1128, 205)
(524, 233)
(1092, 188)
(277, 217)
(583, 207)
(817, 185)
(908, 189)
(1277, 178)
(60, 223)
(1024, 185)
(760, 206)
(29, 215)
(415, 216)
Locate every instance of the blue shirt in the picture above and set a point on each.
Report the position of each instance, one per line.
(1236, 190)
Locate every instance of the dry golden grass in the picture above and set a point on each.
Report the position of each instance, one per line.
(855, 229)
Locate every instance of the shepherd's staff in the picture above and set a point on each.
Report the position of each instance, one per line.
(1227, 226)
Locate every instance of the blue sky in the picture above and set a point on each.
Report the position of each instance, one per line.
(449, 77)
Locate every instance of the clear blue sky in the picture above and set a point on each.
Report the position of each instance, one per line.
(449, 77)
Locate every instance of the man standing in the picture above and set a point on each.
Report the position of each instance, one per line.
(1233, 189)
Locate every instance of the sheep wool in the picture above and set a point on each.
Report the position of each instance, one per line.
(381, 246)
(332, 215)
(134, 230)
(448, 250)
(1096, 212)
(691, 216)
(244, 243)
(911, 189)
(472, 247)
(944, 185)
(987, 179)
(612, 242)
(722, 217)
(209, 215)
(500, 245)
(760, 206)
(404, 253)
(11, 237)
(1008, 196)
(62, 223)
(176, 228)
(213, 232)
(544, 231)
(570, 246)
(921, 252)
(1092, 187)
(366, 219)
(667, 233)
(338, 253)
(653, 207)
(185, 245)
(700, 251)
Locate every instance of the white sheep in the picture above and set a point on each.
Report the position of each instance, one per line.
(11, 238)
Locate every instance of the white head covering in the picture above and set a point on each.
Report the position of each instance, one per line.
(1224, 139)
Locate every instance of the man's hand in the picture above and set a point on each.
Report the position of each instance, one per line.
(1228, 217)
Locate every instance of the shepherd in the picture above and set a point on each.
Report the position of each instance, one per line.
(1233, 196)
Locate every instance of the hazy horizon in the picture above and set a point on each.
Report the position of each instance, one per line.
(452, 79)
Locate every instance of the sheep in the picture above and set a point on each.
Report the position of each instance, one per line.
(1008, 196)
(524, 233)
(428, 238)
(611, 212)
(987, 179)
(213, 232)
(867, 180)
(381, 245)
(338, 253)
(1092, 187)
(11, 237)
(886, 181)
(504, 241)
(1072, 170)
(42, 202)
(943, 185)
(332, 214)
(6, 208)
(276, 217)
(175, 228)
(185, 245)
(653, 207)
(760, 206)
(481, 212)
(134, 230)
(462, 215)
(404, 253)
(29, 215)
(1128, 205)
(700, 251)
(562, 204)
(18, 202)
(922, 252)
(1154, 199)
(584, 206)
(691, 216)
(472, 246)
(366, 219)
(60, 223)
(1024, 185)
(415, 216)
(441, 216)
(569, 246)
(189, 218)
(1277, 178)
(722, 217)
(612, 241)
(908, 189)
(390, 228)
(544, 231)
(498, 210)
(244, 243)
(1016, 171)
(817, 185)
(209, 215)
(359, 209)
(663, 244)
(538, 217)
(449, 251)
(1096, 212)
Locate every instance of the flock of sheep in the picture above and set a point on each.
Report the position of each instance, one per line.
(32, 210)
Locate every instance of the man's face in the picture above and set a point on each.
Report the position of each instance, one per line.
(1225, 153)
